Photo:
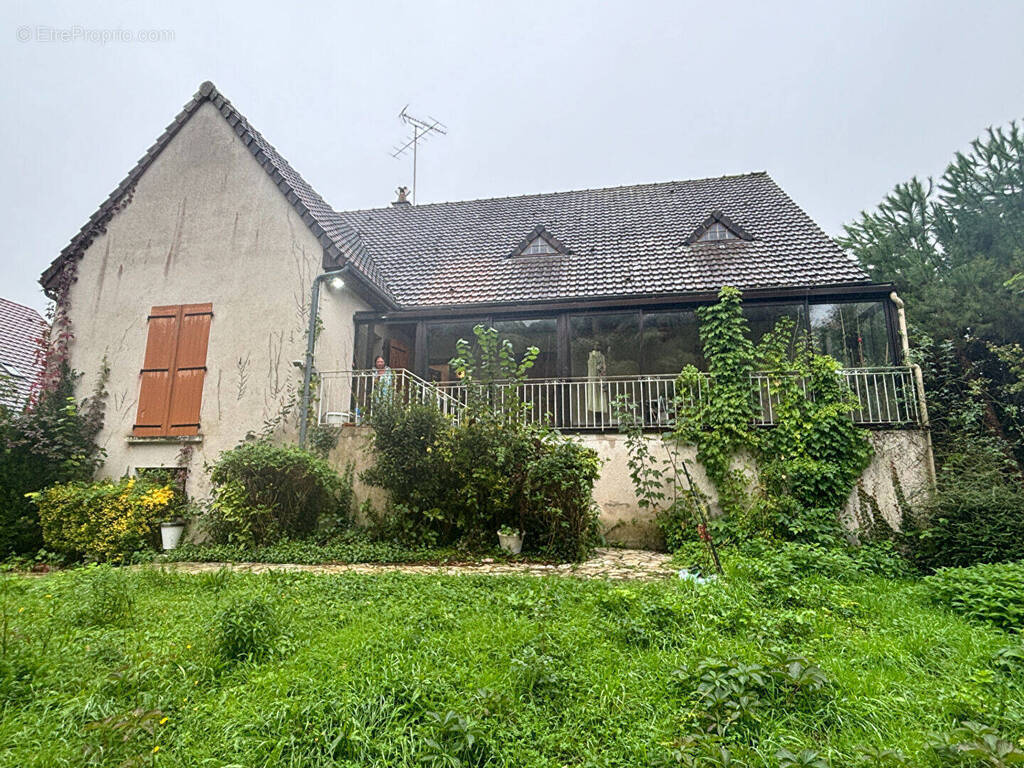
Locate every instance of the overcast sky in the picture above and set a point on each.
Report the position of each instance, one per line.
(837, 103)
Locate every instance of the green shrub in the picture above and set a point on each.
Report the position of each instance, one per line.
(459, 483)
(412, 457)
(263, 491)
(104, 521)
(991, 592)
(562, 517)
(53, 441)
(968, 523)
(480, 475)
(246, 631)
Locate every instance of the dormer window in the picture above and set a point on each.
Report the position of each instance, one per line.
(539, 247)
(715, 228)
(540, 242)
(718, 232)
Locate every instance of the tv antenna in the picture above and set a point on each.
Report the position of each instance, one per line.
(421, 130)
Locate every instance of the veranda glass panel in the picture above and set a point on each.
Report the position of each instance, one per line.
(394, 342)
(362, 355)
(605, 345)
(855, 333)
(539, 332)
(441, 340)
(671, 341)
(763, 318)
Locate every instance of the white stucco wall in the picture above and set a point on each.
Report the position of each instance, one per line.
(897, 453)
(206, 224)
(902, 454)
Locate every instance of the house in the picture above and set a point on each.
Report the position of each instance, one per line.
(22, 330)
(196, 278)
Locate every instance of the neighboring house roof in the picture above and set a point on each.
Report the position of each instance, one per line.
(341, 244)
(21, 328)
(632, 241)
(621, 241)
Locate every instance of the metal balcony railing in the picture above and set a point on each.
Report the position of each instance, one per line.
(886, 397)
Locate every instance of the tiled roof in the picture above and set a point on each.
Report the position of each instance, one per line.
(622, 241)
(337, 238)
(21, 328)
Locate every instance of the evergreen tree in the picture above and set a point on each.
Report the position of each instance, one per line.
(955, 252)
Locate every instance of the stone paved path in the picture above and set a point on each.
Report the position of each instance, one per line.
(605, 564)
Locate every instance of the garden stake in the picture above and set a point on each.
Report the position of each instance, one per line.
(698, 503)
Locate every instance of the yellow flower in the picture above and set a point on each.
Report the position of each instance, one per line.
(156, 749)
(188, 646)
(164, 720)
(21, 610)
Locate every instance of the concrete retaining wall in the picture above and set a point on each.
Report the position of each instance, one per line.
(899, 466)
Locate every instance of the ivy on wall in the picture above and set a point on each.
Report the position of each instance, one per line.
(716, 412)
(806, 464)
(814, 453)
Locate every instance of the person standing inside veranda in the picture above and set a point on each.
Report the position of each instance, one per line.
(383, 377)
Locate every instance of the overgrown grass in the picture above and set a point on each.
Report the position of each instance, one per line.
(286, 669)
(347, 546)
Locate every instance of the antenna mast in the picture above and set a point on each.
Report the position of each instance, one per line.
(421, 129)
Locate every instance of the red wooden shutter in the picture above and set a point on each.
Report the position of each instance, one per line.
(171, 390)
(155, 387)
(189, 370)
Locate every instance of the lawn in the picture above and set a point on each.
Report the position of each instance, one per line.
(145, 667)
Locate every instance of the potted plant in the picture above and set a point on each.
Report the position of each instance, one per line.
(510, 539)
(172, 528)
(170, 532)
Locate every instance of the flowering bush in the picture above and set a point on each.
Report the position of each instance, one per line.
(104, 521)
(52, 441)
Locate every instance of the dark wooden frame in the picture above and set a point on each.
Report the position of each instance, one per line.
(563, 310)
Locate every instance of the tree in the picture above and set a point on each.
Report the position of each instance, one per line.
(955, 252)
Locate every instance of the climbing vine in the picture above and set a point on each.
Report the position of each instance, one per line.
(54, 345)
(679, 510)
(716, 412)
(815, 452)
(806, 464)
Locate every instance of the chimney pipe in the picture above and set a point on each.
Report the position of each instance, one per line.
(403, 197)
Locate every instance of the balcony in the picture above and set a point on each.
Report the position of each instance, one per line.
(887, 397)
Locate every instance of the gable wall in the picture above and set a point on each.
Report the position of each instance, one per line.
(205, 224)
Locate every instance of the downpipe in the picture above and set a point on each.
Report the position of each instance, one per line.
(307, 368)
(922, 404)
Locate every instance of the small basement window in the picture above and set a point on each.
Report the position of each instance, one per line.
(717, 231)
(539, 247)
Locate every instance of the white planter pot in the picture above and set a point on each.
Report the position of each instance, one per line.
(511, 544)
(170, 534)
